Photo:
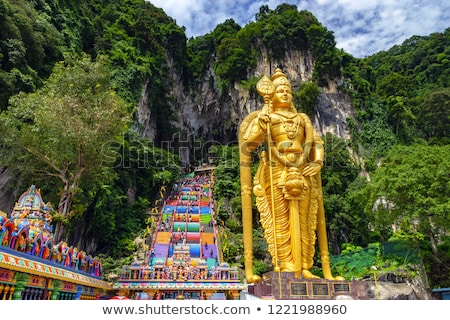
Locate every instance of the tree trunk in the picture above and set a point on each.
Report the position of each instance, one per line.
(65, 203)
(71, 182)
(60, 230)
(434, 248)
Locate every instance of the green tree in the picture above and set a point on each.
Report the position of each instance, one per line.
(29, 46)
(345, 222)
(397, 89)
(433, 115)
(231, 61)
(411, 190)
(307, 96)
(395, 84)
(227, 29)
(399, 112)
(60, 130)
(114, 209)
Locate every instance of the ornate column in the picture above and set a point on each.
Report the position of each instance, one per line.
(235, 295)
(208, 294)
(21, 280)
(56, 287)
(11, 291)
(78, 294)
(151, 293)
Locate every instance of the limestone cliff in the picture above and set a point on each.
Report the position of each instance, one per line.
(207, 114)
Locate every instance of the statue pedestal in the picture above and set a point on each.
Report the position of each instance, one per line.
(284, 286)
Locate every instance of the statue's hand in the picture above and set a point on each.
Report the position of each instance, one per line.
(263, 119)
(312, 169)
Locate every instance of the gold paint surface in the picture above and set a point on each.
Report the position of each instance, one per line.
(287, 185)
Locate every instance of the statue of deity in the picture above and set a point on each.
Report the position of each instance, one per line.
(287, 184)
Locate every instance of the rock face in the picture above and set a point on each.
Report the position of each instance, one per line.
(206, 113)
(393, 286)
(206, 116)
(7, 197)
(331, 114)
(400, 291)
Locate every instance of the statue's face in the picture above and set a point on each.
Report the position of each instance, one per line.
(282, 97)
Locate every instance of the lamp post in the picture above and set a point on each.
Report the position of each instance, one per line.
(377, 292)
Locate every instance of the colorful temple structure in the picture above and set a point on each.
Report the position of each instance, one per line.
(34, 267)
(184, 260)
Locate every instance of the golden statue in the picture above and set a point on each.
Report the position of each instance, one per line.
(287, 184)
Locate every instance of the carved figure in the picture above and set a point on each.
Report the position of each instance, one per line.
(287, 184)
(5, 240)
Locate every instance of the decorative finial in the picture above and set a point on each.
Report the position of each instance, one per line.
(265, 86)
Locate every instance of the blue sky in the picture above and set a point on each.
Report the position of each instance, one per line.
(360, 27)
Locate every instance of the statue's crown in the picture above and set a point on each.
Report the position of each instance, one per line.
(279, 78)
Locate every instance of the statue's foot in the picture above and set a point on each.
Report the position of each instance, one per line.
(329, 276)
(308, 275)
(253, 279)
(339, 278)
(288, 267)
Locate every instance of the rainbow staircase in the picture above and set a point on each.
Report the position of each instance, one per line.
(184, 258)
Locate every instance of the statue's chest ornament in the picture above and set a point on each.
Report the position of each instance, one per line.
(291, 127)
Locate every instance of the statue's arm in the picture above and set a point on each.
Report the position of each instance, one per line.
(314, 150)
(318, 153)
(309, 138)
(254, 134)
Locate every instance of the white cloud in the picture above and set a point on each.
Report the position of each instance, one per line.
(360, 27)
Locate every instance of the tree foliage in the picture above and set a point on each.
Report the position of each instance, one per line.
(411, 190)
(433, 116)
(29, 46)
(346, 221)
(60, 129)
(413, 79)
(116, 209)
(307, 98)
(279, 30)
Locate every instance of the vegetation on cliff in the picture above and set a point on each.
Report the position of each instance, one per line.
(400, 130)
